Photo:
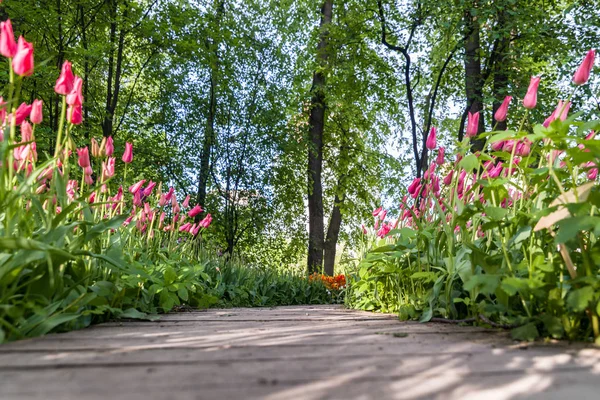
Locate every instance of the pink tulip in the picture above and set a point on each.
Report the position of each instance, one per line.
(385, 229)
(26, 132)
(88, 179)
(495, 172)
(417, 191)
(109, 147)
(583, 72)
(382, 215)
(22, 112)
(530, 99)
(108, 169)
(163, 200)
(137, 198)
(185, 227)
(133, 189)
(128, 154)
(36, 115)
(592, 174)
(205, 223)
(75, 98)
(448, 179)
(440, 156)
(95, 148)
(8, 46)
(23, 61)
(498, 146)
(508, 146)
(186, 202)
(148, 190)
(502, 111)
(83, 156)
(74, 115)
(64, 83)
(472, 125)
(88, 170)
(413, 186)
(377, 211)
(431, 142)
(195, 211)
(590, 135)
(364, 229)
(169, 194)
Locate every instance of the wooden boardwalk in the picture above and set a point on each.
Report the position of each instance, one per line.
(308, 352)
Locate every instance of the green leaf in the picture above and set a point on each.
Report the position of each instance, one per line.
(553, 325)
(135, 314)
(170, 275)
(570, 227)
(512, 285)
(182, 293)
(579, 299)
(427, 315)
(485, 283)
(527, 332)
(469, 163)
(495, 213)
(50, 323)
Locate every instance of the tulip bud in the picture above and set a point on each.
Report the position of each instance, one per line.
(502, 111)
(472, 125)
(530, 99)
(448, 179)
(583, 72)
(23, 61)
(83, 156)
(36, 115)
(95, 148)
(75, 98)
(440, 156)
(64, 83)
(74, 115)
(195, 211)
(8, 46)
(22, 112)
(413, 186)
(128, 154)
(133, 189)
(431, 142)
(109, 148)
(26, 132)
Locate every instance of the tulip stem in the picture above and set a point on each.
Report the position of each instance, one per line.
(61, 125)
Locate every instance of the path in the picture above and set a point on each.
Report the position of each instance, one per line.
(309, 352)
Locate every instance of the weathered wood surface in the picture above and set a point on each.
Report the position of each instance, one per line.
(309, 352)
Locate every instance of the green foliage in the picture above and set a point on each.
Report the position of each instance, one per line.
(521, 252)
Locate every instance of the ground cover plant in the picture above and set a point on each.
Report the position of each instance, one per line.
(81, 242)
(504, 234)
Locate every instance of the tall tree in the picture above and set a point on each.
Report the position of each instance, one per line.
(316, 238)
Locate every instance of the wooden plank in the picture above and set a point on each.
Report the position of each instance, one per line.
(230, 354)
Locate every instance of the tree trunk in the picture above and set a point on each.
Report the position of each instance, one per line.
(473, 76)
(500, 82)
(333, 233)
(316, 240)
(209, 136)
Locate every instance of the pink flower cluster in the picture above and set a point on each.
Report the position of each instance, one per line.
(426, 191)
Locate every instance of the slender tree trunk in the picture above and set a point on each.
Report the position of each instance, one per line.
(473, 76)
(500, 82)
(115, 69)
(86, 71)
(333, 233)
(316, 239)
(209, 135)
